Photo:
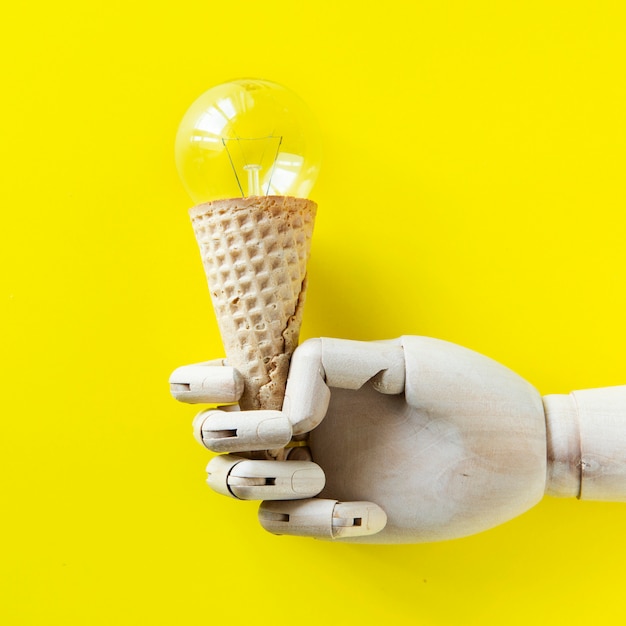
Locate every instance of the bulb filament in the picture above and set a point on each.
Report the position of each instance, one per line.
(253, 155)
(254, 185)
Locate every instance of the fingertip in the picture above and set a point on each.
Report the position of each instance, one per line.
(196, 425)
(218, 470)
(198, 383)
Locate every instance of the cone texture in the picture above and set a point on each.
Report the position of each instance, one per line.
(255, 251)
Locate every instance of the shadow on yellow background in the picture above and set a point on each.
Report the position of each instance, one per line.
(473, 189)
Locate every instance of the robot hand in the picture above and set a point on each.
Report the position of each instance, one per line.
(405, 441)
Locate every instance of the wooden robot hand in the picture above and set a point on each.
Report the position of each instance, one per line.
(404, 441)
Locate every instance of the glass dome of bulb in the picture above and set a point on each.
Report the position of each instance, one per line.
(248, 137)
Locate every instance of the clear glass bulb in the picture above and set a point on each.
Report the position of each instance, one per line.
(248, 137)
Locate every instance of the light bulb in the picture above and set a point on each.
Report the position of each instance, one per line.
(246, 138)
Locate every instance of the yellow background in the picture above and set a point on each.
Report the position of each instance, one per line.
(473, 189)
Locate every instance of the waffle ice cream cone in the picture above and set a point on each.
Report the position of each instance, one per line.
(255, 252)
